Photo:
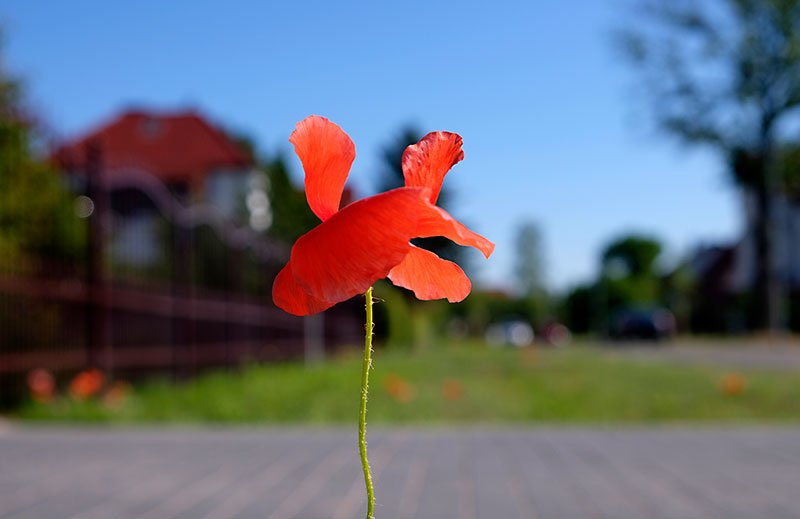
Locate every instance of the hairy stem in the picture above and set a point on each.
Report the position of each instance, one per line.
(362, 415)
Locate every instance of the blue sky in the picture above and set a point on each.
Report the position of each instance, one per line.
(552, 132)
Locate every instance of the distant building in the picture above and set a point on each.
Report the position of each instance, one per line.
(727, 272)
(787, 245)
(146, 156)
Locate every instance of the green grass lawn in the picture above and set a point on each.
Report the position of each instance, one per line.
(454, 384)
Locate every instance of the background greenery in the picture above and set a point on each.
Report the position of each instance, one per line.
(454, 384)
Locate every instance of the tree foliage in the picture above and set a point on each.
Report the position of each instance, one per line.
(629, 275)
(37, 215)
(291, 215)
(530, 259)
(635, 254)
(726, 73)
(720, 72)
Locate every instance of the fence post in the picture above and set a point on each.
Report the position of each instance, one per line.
(182, 326)
(98, 324)
(314, 338)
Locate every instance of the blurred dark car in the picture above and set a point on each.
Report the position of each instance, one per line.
(648, 323)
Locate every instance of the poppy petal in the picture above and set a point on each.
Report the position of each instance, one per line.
(327, 154)
(289, 296)
(426, 163)
(431, 277)
(346, 254)
(435, 221)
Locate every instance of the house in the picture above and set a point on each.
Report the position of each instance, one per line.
(786, 216)
(165, 162)
(728, 273)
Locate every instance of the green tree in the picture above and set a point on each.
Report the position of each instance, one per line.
(726, 74)
(391, 176)
(291, 215)
(38, 225)
(577, 309)
(631, 256)
(530, 273)
(37, 215)
(529, 260)
(790, 168)
(629, 276)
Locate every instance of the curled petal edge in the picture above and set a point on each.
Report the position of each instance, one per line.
(435, 221)
(426, 163)
(431, 277)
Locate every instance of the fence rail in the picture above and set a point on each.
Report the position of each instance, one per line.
(163, 303)
(169, 332)
(207, 302)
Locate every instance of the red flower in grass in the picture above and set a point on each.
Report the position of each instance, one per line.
(86, 384)
(41, 384)
(370, 239)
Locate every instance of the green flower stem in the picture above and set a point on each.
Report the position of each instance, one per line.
(362, 415)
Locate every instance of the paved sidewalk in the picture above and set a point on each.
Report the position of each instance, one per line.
(731, 354)
(471, 474)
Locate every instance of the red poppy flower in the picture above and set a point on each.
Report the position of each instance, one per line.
(370, 239)
(352, 247)
(86, 384)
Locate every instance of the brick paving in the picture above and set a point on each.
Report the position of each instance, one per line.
(541, 472)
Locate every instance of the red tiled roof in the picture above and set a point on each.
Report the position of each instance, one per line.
(174, 147)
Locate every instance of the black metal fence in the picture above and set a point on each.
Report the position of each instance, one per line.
(207, 302)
